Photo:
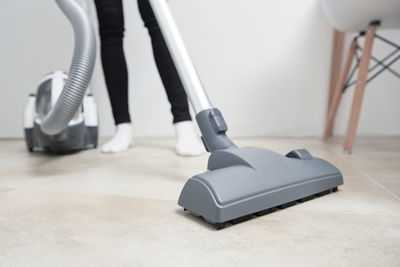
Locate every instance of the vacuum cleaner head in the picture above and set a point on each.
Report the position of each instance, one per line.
(242, 182)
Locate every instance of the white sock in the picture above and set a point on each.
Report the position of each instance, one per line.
(121, 141)
(187, 142)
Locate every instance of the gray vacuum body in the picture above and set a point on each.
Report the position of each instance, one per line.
(62, 115)
(80, 133)
(245, 181)
(73, 138)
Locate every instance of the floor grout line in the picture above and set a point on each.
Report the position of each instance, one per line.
(378, 183)
(366, 174)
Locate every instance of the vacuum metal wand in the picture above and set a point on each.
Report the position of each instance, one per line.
(210, 120)
(190, 79)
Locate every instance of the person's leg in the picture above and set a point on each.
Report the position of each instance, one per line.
(111, 26)
(188, 143)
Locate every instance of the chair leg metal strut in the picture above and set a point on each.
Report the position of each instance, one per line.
(362, 64)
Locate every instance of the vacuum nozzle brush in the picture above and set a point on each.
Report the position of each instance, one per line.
(242, 182)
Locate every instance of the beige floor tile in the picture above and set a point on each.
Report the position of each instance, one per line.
(91, 209)
(47, 228)
(391, 183)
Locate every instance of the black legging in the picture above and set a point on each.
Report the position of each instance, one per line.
(111, 26)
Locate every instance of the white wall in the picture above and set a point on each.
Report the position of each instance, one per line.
(265, 64)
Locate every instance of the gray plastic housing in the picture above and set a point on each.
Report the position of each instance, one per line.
(73, 138)
(243, 181)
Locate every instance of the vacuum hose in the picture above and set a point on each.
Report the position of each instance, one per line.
(80, 71)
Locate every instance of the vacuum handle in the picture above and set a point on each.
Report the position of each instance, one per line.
(210, 120)
(187, 72)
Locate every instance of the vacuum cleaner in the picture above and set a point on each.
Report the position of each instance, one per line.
(62, 116)
(240, 182)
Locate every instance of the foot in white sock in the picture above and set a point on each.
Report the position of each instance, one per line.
(121, 141)
(187, 142)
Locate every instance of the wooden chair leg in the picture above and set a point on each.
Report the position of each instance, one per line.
(336, 62)
(359, 90)
(338, 91)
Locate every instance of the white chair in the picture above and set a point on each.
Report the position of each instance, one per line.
(364, 17)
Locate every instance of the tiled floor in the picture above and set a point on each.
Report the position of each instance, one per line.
(90, 209)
